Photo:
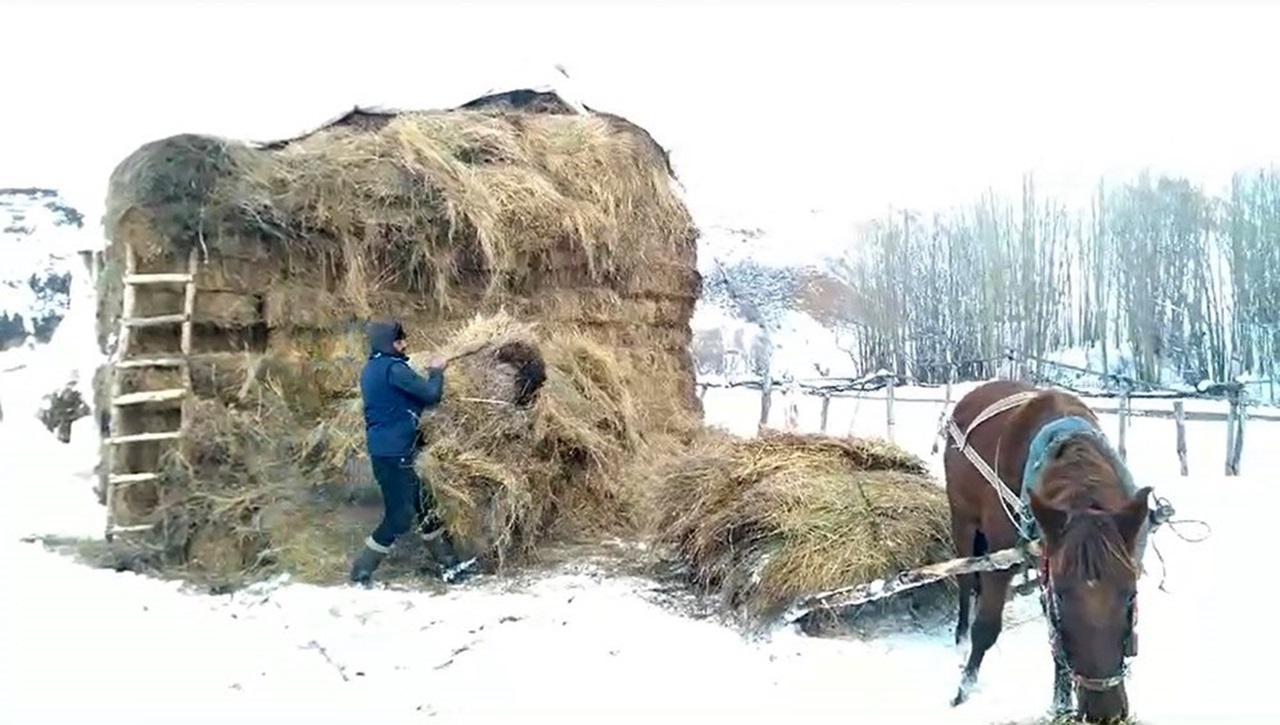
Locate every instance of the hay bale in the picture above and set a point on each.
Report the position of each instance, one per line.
(224, 308)
(765, 521)
(528, 442)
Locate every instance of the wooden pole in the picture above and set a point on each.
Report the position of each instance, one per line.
(846, 597)
(1237, 449)
(1233, 410)
(826, 408)
(946, 402)
(951, 376)
(889, 409)
(766, 393)
(1123, 414)
(1180, 433)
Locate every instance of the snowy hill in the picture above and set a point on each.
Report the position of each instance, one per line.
(43, 286)
(37, 229)
(775, 288)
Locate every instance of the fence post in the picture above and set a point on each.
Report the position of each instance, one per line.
(889, 408)
(1123, 414)
(1238, 453)
(826, 408)
(946, 403)
(1236, 450)
(1180, 433)
(951, 376)
(702, 392)
(766, 392)
(1231, 467)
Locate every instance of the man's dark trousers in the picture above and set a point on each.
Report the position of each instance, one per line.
(403, 496)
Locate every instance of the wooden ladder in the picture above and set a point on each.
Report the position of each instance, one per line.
(120, 400)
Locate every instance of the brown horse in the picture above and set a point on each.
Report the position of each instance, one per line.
(1082, 506)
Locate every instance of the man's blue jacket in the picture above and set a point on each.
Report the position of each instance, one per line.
(394, 395)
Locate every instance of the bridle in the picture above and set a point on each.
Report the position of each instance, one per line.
(1051, 604)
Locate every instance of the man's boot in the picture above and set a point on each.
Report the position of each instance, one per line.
(440, 548)
(366, 563)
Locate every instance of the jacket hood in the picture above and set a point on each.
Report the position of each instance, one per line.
(382, 335)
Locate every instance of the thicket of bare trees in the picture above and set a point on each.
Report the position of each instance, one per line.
(1155, 270)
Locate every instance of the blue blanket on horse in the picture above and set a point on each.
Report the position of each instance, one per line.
(1045, 444)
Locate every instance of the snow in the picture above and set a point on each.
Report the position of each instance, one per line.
(578, 646)
(29, 373)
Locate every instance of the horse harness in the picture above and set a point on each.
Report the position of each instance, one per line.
(1052, 606)
(1016, 508)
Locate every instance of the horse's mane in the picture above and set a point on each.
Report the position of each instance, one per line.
(1091, 547)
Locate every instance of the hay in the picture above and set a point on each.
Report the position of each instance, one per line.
(527, 444)
(766, 521)
(226, 308)
(235, 502)
(429, 217)
(566, 219)
(427, 202)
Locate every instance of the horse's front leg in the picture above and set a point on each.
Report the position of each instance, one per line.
(987, 623)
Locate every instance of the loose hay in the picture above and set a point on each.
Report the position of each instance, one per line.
(766, 521)
(527, 443)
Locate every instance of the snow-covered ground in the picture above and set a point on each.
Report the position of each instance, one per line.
(79, 643)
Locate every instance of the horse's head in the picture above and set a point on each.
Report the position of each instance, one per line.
(1089, 582)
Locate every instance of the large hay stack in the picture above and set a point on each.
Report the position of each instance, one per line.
(514, 203)
(766, 521)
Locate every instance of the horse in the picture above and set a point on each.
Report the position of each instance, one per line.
(1049, 475)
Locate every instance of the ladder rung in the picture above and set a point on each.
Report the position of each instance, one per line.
(152, 362)
(150, 396)
(117, 479)
(144, 437)
(164, 278)
(154, 321)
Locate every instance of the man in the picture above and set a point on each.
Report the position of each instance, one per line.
(394, 398)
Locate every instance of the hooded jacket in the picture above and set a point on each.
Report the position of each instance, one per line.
(394, 395)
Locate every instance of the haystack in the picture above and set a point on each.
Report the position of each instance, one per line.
(514, 202)
(766, 521)
(528, 442)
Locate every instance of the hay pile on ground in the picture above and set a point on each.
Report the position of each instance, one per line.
(528, 442)
(563, 219)
(766, 521)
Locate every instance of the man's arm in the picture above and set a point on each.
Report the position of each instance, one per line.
(427, 390)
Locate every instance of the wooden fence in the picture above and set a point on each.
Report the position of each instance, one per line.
(882, 386)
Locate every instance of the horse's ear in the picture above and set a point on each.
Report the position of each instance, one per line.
(1050, 518)
(1129, 520)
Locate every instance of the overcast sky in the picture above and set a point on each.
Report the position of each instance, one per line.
(768, 111)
